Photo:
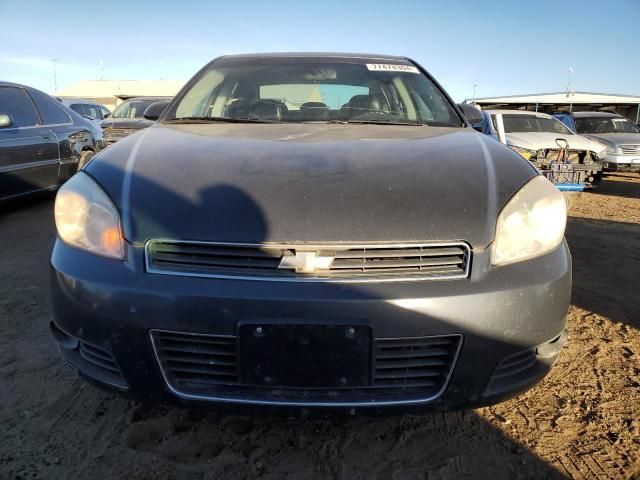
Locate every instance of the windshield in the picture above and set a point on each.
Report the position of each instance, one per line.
(605, 125)
(132, 109)
(533, 124)
(309, 90)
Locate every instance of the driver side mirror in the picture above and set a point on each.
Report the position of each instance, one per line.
(472, 114)
(5, 120)
(106, 115)
(153, 111)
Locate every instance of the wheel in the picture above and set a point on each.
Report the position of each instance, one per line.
(84, 158)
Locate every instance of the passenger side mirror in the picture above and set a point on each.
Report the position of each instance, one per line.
(154, 110)
(472, 114)
(5, 120)
(106, 115)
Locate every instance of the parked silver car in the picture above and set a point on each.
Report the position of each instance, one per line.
(620, 136)
(94, 112)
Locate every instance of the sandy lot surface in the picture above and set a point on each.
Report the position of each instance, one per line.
(582, 421)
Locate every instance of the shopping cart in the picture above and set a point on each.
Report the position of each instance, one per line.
(562, 173)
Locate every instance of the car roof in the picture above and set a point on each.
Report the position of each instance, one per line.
(595, 114)
(4, 83)
(517, 112)
(319, 55)
(72, 100)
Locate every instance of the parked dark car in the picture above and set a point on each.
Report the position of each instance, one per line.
(311, 230)
(128, 118)
(617, 133)
(42, 142)
(92, 111)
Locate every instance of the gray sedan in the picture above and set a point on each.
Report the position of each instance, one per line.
(311, 231)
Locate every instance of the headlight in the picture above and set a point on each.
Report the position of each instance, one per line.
(525, 152)
(610, 150)
(87, 219)
(531, 224)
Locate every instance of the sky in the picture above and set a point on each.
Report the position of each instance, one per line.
(503, 47)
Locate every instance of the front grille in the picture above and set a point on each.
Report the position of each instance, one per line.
(197, 361)
(205, 367)
(630, 149)
(413, 362)
(341, 262)
(121, 131)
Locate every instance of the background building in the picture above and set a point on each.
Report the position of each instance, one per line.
(112, 92)
(627, 105)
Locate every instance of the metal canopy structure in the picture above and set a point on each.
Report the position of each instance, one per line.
(627, 105)
(113, 92)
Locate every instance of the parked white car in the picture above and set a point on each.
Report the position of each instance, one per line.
(538, 137)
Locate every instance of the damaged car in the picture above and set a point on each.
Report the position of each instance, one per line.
(544, 140)
(619, 135)
(311, 231)
(42, 142)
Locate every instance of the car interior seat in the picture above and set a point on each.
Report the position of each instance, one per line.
(363, 104)
(314, 111)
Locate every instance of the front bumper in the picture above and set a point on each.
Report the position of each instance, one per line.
(509, 321)
(621, 163)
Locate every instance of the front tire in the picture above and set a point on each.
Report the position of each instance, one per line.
(84, 158)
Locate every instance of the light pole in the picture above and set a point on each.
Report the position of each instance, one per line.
(55, 75)
(569, 81)
(474, 93)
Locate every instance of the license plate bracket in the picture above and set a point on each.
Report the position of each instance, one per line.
(305, 356)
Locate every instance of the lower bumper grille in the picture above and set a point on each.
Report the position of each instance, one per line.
(91, 360)
(525, 366)
(206, 367)
(96, 363)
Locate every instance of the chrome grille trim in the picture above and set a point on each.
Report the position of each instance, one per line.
(629, 149)
(467, 258)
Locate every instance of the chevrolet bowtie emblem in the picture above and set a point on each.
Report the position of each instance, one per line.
(305, 262)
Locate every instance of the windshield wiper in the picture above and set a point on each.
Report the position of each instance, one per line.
(217, 120)
(376, 122)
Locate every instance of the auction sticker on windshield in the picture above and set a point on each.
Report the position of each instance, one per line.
(387, 67)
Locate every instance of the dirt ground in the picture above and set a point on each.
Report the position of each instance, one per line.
(582, 421)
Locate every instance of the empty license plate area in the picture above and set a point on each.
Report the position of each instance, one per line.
(305, 356)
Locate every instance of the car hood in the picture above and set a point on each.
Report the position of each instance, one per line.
(615, 139)
(131, 123)
(544, 140)
(309, 183)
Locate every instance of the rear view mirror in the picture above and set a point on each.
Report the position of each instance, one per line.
(5, 120)
(472, 114)
(153, 111)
